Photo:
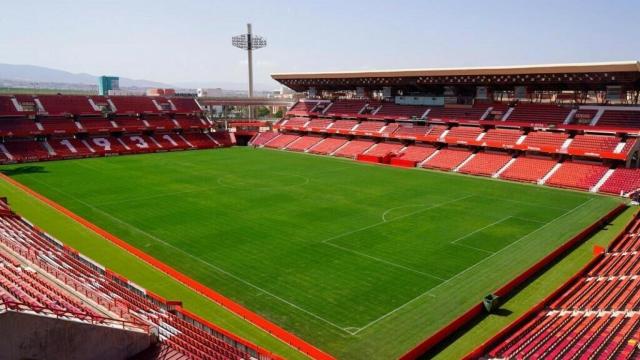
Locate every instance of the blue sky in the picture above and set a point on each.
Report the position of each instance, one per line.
(189, 40)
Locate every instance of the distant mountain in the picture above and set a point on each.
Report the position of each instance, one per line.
(239, 86)
(40, 74)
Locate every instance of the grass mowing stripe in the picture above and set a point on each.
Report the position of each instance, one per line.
(469, 268)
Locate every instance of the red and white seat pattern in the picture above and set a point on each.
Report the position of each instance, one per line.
(447, 159)
(485, 163)
(528, 169)
(577, 175)
(354, 148)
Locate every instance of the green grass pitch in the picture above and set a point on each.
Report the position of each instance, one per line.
(361, 260)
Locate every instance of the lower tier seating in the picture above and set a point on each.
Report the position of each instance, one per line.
(384, 149)
(354, 148)
(447, 159)
(303, 143)
(281, 141)
(622, 179)
(417, 153)
(40, 275)
(528, 169)
(577, 175)
(328, 146)
(485, 164)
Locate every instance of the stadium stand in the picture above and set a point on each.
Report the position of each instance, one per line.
(384, 149)
(281, 141)
(57, 105)
(129, 123)
(577, 175)
(42, 277)
(318, 124)
(485, 163)
(622, 180)
(328, 146)
(353, 148)
(447, 159)
(303, 143)
(544, 141)
(58, 125)
(370, 127)
(539, 113)
(344, 125)
(392, 111)
(596, 143)
(417, 153)
(528, 169)
(263, 138)
(463, 134)
(629, 119)
(501, 138)
(134, 104)
(346, 108)
(474, 112)
(411, 131)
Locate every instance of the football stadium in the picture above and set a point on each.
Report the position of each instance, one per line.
(460, 212)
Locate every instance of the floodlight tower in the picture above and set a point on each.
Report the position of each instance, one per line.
(249, 42)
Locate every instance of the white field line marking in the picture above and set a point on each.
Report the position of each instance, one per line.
(385, 261)
(194, 257)
(428, 292)
(384, 215)
(133, 199)
(523, 202)
(396, 218)
(478, 230)
(474, 248)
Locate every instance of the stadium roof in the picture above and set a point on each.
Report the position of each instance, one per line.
(469, 75)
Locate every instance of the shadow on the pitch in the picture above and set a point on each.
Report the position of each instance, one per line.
(24, 170)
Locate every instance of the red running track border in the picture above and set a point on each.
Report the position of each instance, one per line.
(508, 288)
(227, 303)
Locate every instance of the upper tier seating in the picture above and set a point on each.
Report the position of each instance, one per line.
(620, 119)
(344, 125)
(498, 110)
(501, 137)
(18, 127)
(185, 105)
(303, 107)
(577, 175)
(409, 130)
(296, 122)
(58, 125)
(583, 117)
(129, 123)
(622, 179)
(417, 153)
(134, 104)
(537, 140)
(451, 112)
(318, 124)
(447, 159)
(7, 107)
(384, 148)
(96, 124)
(346, 108)
(354, 148)
(395, 111)
(263, 138)
(160, 122)
(67, 104)
(529, 169)
(281, 141)
(596, 143)
(191, 122)
(371, 126)
(463, 133)
(304, 143)
(328, 146)
(539, 114)
(485, 164)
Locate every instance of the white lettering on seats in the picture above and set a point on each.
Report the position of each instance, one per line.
(69, 145)
(102, 142)
(139, 141)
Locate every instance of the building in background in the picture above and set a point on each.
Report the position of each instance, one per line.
(108, 83)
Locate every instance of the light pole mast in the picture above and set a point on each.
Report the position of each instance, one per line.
(249, 42)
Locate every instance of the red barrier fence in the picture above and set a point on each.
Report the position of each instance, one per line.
(508, 288)
(229, 304)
